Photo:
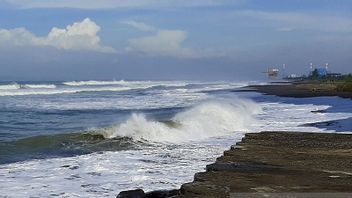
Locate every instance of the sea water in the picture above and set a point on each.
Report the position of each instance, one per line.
(96, 138)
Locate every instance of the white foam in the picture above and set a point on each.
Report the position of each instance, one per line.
(97, 86)
(282, 116)
(39, 86)
(93, 82)
(10, 86)
(209, 119)
(137, 84)
(23, 92)
(160, 166)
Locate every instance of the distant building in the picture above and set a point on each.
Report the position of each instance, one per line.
(272, 72)
(335, 75)
(322, 72)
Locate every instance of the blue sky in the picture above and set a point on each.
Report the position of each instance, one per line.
(171, 39)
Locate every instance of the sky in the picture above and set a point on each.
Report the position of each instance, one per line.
(171, 39)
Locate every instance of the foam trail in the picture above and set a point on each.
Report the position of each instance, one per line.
(93, 82)
(39, 86)
(23, 92)
(137, 84)
(10, 86)
(209, 119)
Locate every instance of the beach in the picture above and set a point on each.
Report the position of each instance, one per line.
(274, 164)
(278, 163)
(99, 138)
(301, 89)
(175, 98)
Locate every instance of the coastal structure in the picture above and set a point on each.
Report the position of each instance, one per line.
(272, 72)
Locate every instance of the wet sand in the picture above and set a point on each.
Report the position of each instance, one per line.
(301, 90)
(274, 164)
(279, 162)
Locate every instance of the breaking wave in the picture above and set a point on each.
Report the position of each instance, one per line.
(93, 82)
(209, 119)
(137, 84)
(39, 86)
(23, 92)
(10, 86)
(16, 86)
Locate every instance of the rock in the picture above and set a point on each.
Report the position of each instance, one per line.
(138, 193)
(240, 166)
(162, 193)
(272, 162)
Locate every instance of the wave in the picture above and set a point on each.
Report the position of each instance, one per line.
(39, 86)
(23, 92)
(136, 84)
(62, 145)
(16, 86)
(10, 86)
(93, 82)
(209, 119)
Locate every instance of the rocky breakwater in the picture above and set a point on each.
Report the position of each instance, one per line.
(268, 163)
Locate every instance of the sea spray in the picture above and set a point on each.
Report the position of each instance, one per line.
(208, 119)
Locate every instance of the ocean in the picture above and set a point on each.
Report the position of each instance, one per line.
(97, 138)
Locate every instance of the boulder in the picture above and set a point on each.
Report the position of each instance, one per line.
(138, 193)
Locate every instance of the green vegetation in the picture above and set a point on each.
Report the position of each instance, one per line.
(345, 84)
(340, 82)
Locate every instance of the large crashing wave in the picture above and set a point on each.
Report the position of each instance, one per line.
(209, 119)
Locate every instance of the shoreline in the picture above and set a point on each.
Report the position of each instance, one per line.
(273, 162)
(276, 162)
(300, 89)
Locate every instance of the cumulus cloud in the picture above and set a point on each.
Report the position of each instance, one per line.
(78, 36)
(161, 43)
(164, 42)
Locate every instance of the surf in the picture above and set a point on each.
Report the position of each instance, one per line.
(205, 120)
(39, 86)
(10, 86)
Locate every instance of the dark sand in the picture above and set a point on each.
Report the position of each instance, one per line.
(279, 162)
(301, 90)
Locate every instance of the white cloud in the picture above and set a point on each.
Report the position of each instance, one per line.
(108, 4)
(78, 36)
(140, 26)
(162, 43)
